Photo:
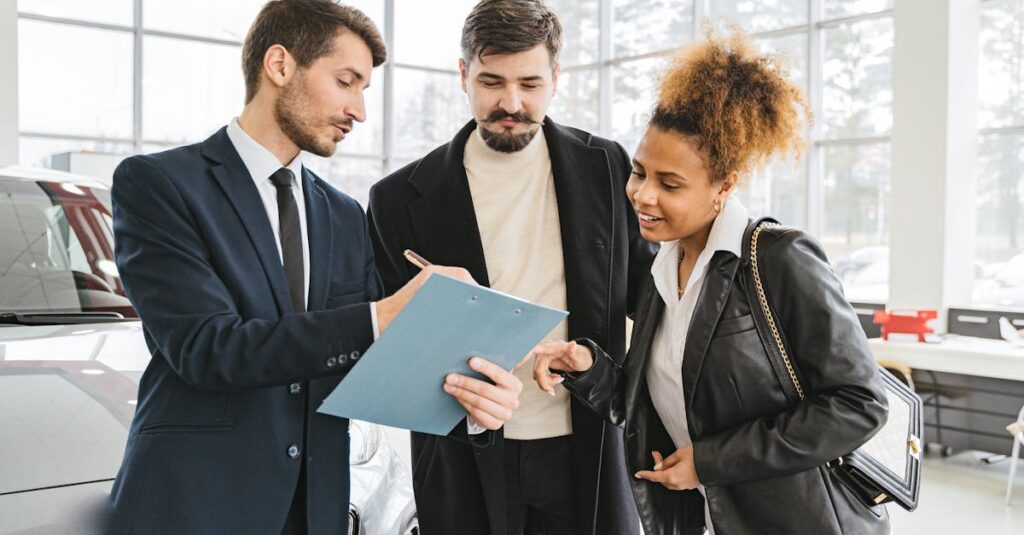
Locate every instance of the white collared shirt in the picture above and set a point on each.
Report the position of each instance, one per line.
(261, 164)
(664, 371)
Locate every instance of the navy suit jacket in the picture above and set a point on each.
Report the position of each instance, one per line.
(223, 421)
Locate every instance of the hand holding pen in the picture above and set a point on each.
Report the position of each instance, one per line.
(389, 308)
(488, 404)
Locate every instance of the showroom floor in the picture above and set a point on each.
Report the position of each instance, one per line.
(963, 495)
(959, 495)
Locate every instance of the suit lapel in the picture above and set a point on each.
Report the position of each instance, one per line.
(710, 303)
(584, 195)
(232, 176)
(443, 219)
(320, 230)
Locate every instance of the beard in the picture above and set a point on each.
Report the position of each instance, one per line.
(295, 118)
(507, 141)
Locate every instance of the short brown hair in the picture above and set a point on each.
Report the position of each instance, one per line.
(738, 103)
(510, 26)
(307, 28)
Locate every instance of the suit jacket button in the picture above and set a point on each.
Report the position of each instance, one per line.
(332, 362)
(354, 356)
(293, 451)
(295, 388)
(342, 358)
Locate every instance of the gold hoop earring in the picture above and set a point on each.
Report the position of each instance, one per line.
(718, 207)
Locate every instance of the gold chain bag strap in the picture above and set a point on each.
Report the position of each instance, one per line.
(887, 467)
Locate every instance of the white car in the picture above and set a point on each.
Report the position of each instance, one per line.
(71, 355)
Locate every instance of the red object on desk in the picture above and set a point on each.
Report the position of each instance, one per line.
(905, 322)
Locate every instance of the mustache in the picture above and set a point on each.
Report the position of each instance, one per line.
(498, 115)
(347, 123)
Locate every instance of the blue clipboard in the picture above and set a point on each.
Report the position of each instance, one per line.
(398, 382)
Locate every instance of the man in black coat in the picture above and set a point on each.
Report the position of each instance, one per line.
(537, 210)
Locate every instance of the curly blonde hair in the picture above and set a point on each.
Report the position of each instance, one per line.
(737, 102)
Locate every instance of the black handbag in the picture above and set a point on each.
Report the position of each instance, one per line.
(887, 468)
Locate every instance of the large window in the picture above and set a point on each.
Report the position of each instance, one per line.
(839, 52)
(999, 254)
(69, 100)
(429, 105)
(156, 76)
(149, 75)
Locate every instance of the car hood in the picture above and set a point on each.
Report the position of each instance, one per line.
(67, 397)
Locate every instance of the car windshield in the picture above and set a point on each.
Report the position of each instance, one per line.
(57, 249)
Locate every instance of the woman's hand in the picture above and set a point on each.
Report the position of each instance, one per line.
(676, 472)
(561, 356)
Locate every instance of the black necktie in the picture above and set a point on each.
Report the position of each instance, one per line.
(291, 237)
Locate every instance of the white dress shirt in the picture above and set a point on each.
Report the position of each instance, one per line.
(665, 366)
(261, 164)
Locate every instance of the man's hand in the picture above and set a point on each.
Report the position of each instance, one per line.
(389, 308)
(562, 356)
(488, 405)
(676, 472)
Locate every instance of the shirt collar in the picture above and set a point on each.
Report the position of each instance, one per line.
(726, 235)
(258, 160)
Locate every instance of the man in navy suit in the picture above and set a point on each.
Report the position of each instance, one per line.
(256, 286)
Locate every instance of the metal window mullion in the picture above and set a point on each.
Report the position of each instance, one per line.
(187, 37)
(604, 73)
(423, 68)
(846, 21)
(137, 78)
(781, 32)
(389, 87)
(361, 155)
(852, 141)
(814, 161)
(700, 12)
(75, 22)
(619, 60)
(74, 137)
(1001, 130)
(128, 29)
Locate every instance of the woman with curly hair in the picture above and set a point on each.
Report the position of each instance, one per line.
(714, 437)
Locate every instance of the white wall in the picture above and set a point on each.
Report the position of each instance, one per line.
(8, 82)
(934, 152)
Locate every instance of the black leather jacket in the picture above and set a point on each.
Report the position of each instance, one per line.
(761, 458)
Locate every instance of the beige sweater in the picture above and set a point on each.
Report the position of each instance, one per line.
(516, 210)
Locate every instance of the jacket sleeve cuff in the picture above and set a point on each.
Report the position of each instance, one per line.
(586, 379)
(461, 433)
(707, 465)
(351, 337)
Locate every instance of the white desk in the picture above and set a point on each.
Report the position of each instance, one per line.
(963, 355)
(976, 389)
